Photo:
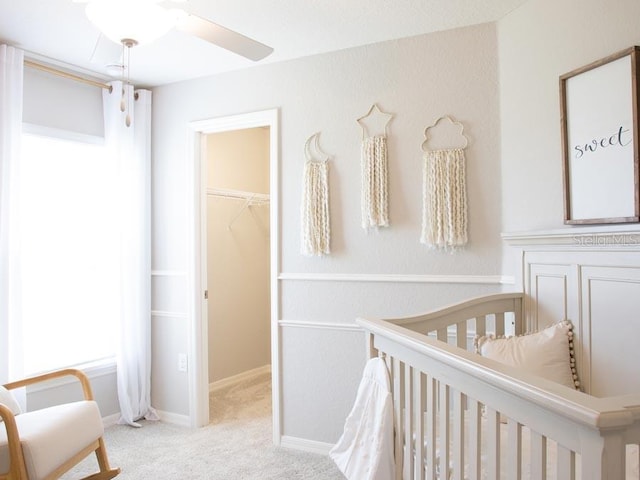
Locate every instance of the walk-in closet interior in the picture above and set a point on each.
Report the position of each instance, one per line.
(238, 261)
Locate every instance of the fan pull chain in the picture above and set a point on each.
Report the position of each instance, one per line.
(127, 43)
(123, 102)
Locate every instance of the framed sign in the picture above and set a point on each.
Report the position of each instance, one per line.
(599, 116)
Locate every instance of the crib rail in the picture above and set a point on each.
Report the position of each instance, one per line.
(459, 415)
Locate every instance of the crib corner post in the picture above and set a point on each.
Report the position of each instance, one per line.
(604, 456)
(372, 352)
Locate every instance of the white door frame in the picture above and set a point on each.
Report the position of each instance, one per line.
(197, 272)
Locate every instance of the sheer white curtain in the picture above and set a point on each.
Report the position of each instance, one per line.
(131, 145)
(11, 76)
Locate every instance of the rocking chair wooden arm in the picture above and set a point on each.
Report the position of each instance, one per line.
(44, 377)
(15, 449)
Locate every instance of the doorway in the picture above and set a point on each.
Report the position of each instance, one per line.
(238, 255)
(197, 241)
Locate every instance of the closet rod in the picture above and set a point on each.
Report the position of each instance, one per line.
(60, 73)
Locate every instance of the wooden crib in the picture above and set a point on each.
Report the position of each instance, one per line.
(459, 415)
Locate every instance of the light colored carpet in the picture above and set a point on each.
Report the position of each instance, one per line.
(237, 445)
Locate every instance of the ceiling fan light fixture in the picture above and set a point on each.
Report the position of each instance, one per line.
(139, 20)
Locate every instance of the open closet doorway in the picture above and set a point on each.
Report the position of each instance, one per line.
(235, 218)
(238, 261)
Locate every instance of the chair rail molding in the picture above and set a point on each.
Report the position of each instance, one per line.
(396, 278)
(623, 237)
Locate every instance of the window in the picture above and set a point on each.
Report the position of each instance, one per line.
(69, 253)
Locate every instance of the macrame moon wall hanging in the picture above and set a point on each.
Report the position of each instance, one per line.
(316, 234)
(444, 207)
(374, 164)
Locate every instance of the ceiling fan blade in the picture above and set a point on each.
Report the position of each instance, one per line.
(223, 37)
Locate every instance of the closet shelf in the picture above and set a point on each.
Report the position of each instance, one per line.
(238, 194)
(250, 199)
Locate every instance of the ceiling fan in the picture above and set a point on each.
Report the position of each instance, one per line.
(132, 22)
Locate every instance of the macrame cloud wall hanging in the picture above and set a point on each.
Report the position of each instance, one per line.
(316, 233)
(375, 166)
(444, 207)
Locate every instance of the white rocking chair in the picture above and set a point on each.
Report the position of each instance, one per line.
(44, 444)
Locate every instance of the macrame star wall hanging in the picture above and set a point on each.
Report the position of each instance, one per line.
(375, 165)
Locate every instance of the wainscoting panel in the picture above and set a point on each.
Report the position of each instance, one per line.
(592, 279)
(611, 320)
(343, 302)
(318, 389)
(548, 287)
(169, 340)
(168, 291)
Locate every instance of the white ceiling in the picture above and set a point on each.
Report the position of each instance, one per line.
(58, 31)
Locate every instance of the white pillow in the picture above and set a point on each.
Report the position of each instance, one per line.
(548, 353)
(9, 401)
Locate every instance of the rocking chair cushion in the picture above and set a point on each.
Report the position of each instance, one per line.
(7, 398)
(52, 435)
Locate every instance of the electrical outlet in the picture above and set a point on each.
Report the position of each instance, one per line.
(182, 362)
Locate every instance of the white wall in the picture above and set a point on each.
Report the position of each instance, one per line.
(238, 271)
(538, 42)
(417, 79)
(61, 103)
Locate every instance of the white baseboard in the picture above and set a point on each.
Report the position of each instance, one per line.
(174, 418)
(241, 377)
(110, 420)
(304, 445)
(167, 417)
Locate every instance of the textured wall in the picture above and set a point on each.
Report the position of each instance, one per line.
(57, 102)
(417, 79)
(538, 42)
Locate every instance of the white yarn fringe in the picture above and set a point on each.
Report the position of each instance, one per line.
(316, 233)
(444, 212)
(374, 201)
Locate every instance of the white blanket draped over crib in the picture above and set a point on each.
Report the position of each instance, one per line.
(365, 449)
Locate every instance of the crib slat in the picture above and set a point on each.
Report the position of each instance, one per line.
(475, 417)
(458, 435)
(408, 423)
(397, 414)
(566, 466)
(517, 319)
(493, 444)
(607, 459)
(539, 457)
(430, 434)
(514, 457)
(499, 324)
(444, 433)
(419, 402)
(461, 335)
(481, 325)
(615, 455)
(443, 335)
